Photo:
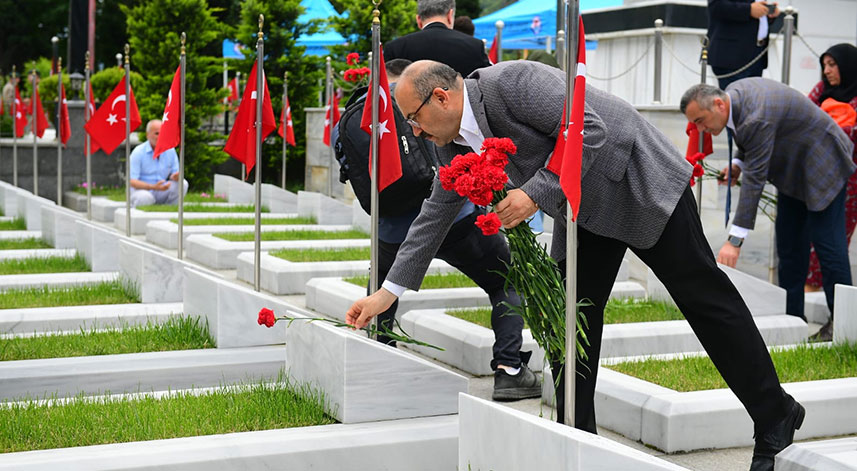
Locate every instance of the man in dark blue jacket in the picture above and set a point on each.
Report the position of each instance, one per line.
(737, 34)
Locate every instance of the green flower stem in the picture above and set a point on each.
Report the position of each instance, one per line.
(371, 329)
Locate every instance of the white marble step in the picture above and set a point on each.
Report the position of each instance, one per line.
(34, 253)
(138, 372)
(4, 235)
(832, 455)
(6, 218)
(139, 219)
(221, 254)
(55, 280)
(48, 319)
(166, 233)
(815, 307)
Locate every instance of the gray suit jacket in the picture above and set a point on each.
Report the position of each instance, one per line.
(632, 175)
(784, 138)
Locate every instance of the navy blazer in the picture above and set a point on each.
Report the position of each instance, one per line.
(436, 42)
(732, 34)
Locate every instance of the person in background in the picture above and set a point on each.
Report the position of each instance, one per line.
(154, 178)
(836, 94)
(737, 34)
(464, 24)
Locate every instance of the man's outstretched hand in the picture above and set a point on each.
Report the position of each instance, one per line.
(364, 309)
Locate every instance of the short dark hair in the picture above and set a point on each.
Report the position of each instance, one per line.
(433, 76)
(703, 94)
(464, 24)
(396, 66)
(432, 8)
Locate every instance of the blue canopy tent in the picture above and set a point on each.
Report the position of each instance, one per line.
(316, 44)
(528, 23)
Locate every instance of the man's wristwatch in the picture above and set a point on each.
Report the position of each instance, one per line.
(735, 241)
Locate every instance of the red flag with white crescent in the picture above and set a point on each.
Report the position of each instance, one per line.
(389, 161)
(107, 125)
(329, 122)
(170, 136)
(287, 129)
(233, 90)
(20, 114)
(40, 122)
(241, 144)
(65, 125)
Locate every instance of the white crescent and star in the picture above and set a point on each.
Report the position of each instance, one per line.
(117, 100)
(170, 98)
(111, 118)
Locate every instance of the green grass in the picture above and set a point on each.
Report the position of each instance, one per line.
(111, 292)
(17, 224)
(21, 244)
(230, 409)
(243, 221)
(178, 333)
(803, 363)
(188, 198)
(53, 264)
(632, 310)
(322, 255)
(110, 192)
(479, 315)
(293, 235)
(434, 281)
(200, 208)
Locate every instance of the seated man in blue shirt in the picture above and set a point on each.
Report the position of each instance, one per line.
(153, 179)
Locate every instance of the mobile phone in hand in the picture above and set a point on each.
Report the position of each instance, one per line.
(772, 8)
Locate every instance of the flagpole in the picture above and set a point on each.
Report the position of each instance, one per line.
(87, 141)
(180, 182)
(375, 74)
(703, 61)
(33, 127)
(260, 98)
(499, 25)
(226, 99)
(15, 129)
(329, 91)
(572, 11)
(59, 131)
(285, 122)
(127, 140)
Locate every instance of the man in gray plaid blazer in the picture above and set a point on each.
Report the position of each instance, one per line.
(784, 138)
(635, 194)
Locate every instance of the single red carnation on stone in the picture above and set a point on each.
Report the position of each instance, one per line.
(352, 58)
(267, 318)
(489, 223)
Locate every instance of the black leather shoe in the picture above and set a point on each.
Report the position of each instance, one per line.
(824, 334)
(523, 385)
(776, 439)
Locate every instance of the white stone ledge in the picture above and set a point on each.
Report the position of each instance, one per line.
(139, 219)
(222, 254)
(29, 208)
(25, 234)
(58, 226)
(135, 372)
(283, 277)
(49, 319)
(424, 444)
(324, 209)
(36, 253)
(55, 280)
(103, 209)
(166, 233)
(467, 346)
(828, 455)
(98, 245)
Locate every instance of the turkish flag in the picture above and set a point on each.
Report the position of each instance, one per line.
(287, 130)
(64, 125)
(492, 53)
(170, 131)
(93, 146)
(389, 162)
(38, 114)
(2, 107)
(20, 114)
(567, 156)
(233, 90)
(327, 122)
(241, 144)
(106, 126)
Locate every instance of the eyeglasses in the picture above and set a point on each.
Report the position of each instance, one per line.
(411, 118)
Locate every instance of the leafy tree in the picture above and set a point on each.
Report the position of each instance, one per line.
(281, 31)
(26, 28)
(397, 19)
(103, 82)
(154, 31)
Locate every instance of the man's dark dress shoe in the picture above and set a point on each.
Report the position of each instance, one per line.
(776, 439)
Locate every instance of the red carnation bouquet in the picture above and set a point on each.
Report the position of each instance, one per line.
(482, 179)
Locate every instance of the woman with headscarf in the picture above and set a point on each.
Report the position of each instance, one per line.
(836, 93)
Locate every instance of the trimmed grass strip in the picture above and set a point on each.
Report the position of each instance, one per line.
(17, 224)
(53, 264)
(24, 244)
(188, 198)
(803, 363)
(322, 255)
(479, 315)
(177, 333)
(200, 208)
(630, 310)
(243, 221)
(229, 409)
(111, 292)
(293, 235)
(433, 281)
